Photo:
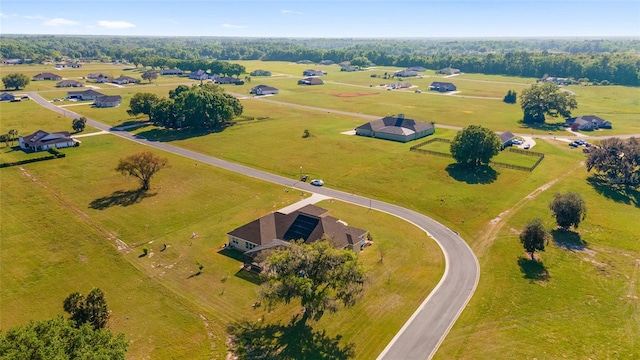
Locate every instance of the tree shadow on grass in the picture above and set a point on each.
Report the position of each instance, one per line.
(249, 276)
(120, 198)
(549, 127)
(297, 340)
(232, 253)
(533, 270)
(483, 175)
(168, 135)
(567, 239)
(616, 192)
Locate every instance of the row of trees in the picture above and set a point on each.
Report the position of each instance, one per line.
(204, 107)
(618, 160)
(615, 61)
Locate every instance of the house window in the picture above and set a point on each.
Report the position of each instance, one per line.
(234, 241)
(249, 245)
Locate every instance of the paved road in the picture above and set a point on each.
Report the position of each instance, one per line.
(421, 336)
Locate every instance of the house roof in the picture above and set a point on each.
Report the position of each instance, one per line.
(405, 73)
(42, 137)
(309, 223)
(108, 99)
(264, 88)
(68, 82)
(47, 75)
(124, 77)
(5, 96)
(89, 92)
(506, 136)
(396, 125)
(441, 84)
(311, 81)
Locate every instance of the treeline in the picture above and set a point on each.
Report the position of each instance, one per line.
(606, 60)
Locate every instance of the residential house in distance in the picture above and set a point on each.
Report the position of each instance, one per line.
(349, 68)
(12, 61)
(47, 76)
(260, 73)
(448, 71)
(98, 77)
(264, 90)
(68, 64)
(405, 73)
(442, 86)
(228, 80)
(310, 81)
(396, 129)
(172, 72)
(326, 62)
(556, 80)
(311, 72)
(5, 96)
(42, 140)
(69, 83)
(588, 123)
(417, 68)
(199, 75)
(125, 80)
(506, 138)
(89, 94)
(107, 101)
(309, 224)
(307, 62)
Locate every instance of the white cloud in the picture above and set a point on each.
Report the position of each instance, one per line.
(291, 12)
(115, 24)
(3, 16)
(60, 22)
(34, 17)
(229, 26)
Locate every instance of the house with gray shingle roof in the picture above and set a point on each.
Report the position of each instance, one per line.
(42, 140)
(589, 122)
(89, 94)
(396, 129)
(107, 101)
(308, 224)
(506, 138)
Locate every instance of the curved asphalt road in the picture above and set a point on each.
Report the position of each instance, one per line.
(422, 334)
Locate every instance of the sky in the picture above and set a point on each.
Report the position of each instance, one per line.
(324, 18)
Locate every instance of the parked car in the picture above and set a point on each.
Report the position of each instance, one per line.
(573, 144)
(527, 146)
(317, 182)
(304, 178)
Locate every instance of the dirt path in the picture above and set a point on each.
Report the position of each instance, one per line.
(495, 225)
(119, 244)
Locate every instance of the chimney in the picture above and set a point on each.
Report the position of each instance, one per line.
(401, 116)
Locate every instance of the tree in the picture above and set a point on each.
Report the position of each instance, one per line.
(141, 103)
(162, 112)
(142, 166)
(79, 124)
(511, 97)
(546, 99)
(150, 75)
(475, 146)
(58, 338)
(92, 309)
(206, 106)
(12, 135)
(321, 276)
(15, 81)
(568, 209)
(534, 237)
(177, 91)
(618, 159)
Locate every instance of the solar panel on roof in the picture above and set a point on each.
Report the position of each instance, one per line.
(301, 228)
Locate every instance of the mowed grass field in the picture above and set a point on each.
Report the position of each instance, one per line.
(540, 317)
(186, 199)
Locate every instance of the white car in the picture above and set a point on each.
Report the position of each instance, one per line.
(527, 146)
(317, 182)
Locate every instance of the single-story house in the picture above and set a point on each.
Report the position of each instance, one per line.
(448, 71)
(199, 75)
(442, 86)
(308, 224)
(12, 61)
(310, 81)
(42, 140)
(405, 73)
(89, 94)
(69, 83)
(264, 90)
(47, 76)
(326, 62)
(68, 64)
(506, 138)
(96, 76)
(417, 68)
(311, 72)
(304, 62)
(589, 122)
(349, 68)
(107, 101)
(260, 73)
(228, 80)
(6, 96)
(396, 129)
(557, 80)
(171, 72)
(125, 80)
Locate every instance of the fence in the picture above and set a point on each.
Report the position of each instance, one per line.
(55, 155)
(493, 163)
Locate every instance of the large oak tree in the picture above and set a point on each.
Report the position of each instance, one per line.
(475, 146)
(539, 101)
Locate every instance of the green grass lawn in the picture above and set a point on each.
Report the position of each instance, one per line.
(186, 199)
